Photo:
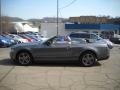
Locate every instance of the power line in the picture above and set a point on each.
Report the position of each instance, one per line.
(66, 7)
(60, 13)
(68, 4)
(57, 14)
(58, 10)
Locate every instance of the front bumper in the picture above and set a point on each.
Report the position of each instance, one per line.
(105, 55)
(103, 58)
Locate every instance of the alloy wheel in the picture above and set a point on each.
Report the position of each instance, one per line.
(24, 58)
(88, 59)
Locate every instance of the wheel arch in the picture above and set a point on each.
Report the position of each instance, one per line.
(24, 50)
(88, 51)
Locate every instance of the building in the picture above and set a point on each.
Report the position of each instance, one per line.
(50, 29)
(91, 24)
(89, 20)
(104, 30)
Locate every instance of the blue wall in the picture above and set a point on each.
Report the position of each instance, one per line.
(92, 26)
(109, 26)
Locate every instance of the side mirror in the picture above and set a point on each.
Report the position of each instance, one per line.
(48, 43)
(87, 40)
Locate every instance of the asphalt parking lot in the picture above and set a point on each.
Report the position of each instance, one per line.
(105, 75)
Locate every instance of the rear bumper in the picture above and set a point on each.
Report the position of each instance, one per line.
(12, 55)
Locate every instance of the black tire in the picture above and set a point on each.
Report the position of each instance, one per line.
(87, 59)
(24, 58)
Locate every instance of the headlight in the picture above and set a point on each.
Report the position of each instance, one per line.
(4, 41)
(119, 39)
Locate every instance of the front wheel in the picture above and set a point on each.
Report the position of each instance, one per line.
(88, 59)
(24, 58)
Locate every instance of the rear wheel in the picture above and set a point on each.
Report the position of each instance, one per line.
(88, 59)
(24, 58)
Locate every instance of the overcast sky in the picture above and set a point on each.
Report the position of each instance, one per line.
(27, 9)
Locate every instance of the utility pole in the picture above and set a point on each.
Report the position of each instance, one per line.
(0, 20)
(57, 15)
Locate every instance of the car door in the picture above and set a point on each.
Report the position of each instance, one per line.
(59, 49)
(54, 50)
(76, 47)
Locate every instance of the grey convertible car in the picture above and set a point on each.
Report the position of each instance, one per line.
(60, 48)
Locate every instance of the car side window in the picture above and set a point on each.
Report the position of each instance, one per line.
(74, 35)
(92, 36)
(80, 35)
(84, 35)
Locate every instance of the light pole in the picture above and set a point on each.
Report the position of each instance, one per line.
(57, 15)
